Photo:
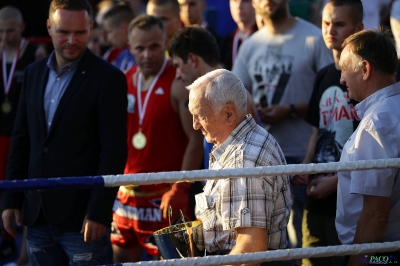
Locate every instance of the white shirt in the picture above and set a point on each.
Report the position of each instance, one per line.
(377, 137)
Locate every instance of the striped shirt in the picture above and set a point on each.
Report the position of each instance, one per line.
(264, 202)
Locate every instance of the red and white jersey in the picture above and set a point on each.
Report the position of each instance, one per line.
(166, 140)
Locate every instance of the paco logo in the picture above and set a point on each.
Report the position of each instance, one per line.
(378, 260)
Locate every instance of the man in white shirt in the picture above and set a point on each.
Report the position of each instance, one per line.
(368, 202)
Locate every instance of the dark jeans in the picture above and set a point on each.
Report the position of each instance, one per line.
(47, 246)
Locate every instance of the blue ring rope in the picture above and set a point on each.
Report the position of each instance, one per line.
(52, 183)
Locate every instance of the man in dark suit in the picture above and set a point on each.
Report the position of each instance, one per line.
(71, 121)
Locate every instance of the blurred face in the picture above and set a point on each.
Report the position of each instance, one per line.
(242, 11)
(10, 33)
(148, 48)
(94, 43)
(337, 25)
(117, 36)
(211, 125)
(192, 11)
(69, 31)
(353, 79)
(184, 72)
(167, 15)
(273, 9)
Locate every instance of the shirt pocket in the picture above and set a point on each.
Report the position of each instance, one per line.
(206, 210)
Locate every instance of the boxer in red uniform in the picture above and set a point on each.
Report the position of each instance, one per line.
(160, 138)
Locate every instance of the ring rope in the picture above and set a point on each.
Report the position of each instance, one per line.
(278, 255)
(196, 175)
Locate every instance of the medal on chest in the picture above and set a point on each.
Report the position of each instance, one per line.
(139, 140)
(6, 106)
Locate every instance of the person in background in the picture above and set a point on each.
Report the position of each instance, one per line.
(71, 121)
(160, 139)
(15, 54)
(194, 53)
(115, 26)
(334, 119)
(372, 12)
(395, 24)
(244, 16)
(192, 13)
(279, 64)
(168, 12)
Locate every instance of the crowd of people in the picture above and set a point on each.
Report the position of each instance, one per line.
(153, 86)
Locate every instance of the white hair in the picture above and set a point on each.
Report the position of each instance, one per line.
(221, 87)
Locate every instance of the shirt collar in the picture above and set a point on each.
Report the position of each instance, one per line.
(376, 97)
(68, 67)
(237, 134)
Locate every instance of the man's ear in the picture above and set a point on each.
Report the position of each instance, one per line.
(366, 69)
(230, 113)
(194, 60)
(48, 25)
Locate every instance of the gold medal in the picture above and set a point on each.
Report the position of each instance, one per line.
(6, 107)
(139, 140)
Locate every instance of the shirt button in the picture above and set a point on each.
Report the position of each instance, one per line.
(46, 150)
(58, 79)
(52, 101)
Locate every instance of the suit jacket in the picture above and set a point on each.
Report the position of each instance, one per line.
(87, 137)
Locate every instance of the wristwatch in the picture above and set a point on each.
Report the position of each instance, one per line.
(293, 112)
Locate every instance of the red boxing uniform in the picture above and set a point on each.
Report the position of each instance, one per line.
(136, 211)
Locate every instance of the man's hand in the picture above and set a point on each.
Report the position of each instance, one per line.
(92, 231)
(178, 199)
(273, 114)
(8, 217)
(322, 187)
(250, 239)
(299, 180)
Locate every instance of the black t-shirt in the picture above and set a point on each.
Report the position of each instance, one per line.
(333, 113)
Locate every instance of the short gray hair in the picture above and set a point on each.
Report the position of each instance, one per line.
(10, 12)
(221, 87)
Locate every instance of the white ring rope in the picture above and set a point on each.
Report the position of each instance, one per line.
(291, 169)
(279, 255)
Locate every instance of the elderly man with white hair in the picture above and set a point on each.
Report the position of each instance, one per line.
(246, 214)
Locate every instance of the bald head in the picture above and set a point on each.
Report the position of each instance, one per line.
(11, 13)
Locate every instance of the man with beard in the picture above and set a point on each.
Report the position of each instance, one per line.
(71, 121)
(279, 64)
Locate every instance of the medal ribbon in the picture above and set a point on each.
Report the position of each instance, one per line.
(235, 46)
(7, 81)
(142, 108)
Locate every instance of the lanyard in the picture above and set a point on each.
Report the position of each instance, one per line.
(142, 108)
(7, 81)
